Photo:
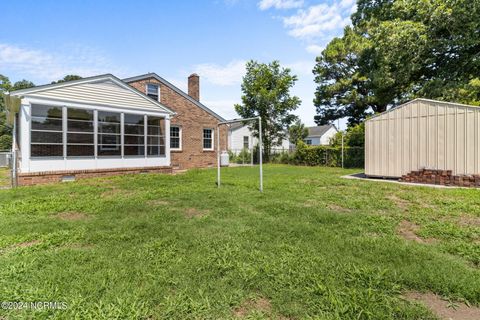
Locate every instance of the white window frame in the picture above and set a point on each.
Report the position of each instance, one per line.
(213, 139)
(158, 90)
(179, 137)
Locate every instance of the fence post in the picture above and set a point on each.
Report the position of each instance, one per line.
(342, 150)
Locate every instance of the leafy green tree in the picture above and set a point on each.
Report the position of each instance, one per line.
(68, 77)
(266, 93)
(6, 130)
(297, 132)
(354, 136)
(396, 51)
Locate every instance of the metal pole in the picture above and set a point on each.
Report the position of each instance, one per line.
(342, 150)
(260, 151)
(218, 156)
(14, 152)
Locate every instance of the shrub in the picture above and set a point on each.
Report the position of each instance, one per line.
(328, 156)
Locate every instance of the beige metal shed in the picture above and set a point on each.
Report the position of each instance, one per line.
(423, 134)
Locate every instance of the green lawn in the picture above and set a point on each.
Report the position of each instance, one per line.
(313, 245)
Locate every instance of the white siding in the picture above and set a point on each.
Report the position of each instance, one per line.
(315, 141)
(235, 140)
(105, 95)
(423, 134)
(104, 92)
(324, 139)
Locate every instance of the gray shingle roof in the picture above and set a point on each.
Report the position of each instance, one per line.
(176, 89)
(319, 131)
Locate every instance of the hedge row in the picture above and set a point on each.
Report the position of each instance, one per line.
(354, 157)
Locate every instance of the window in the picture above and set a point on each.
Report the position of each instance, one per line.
(60, 131)
(308, 142)
(153, 91)
(80, 140)
(175, 138)
(134, 137)
(208, 139)
(46, 132)
(155, 136)
(109, 142)
(246, 144)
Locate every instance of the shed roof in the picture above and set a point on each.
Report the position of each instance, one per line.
(453, 104)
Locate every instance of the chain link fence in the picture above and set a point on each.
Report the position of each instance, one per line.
(5, 158)
(327, 156)
(5, 169)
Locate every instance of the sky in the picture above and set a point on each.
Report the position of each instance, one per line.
(45, 40)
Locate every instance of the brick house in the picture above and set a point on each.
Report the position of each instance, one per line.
(191, 124)
(102, 125)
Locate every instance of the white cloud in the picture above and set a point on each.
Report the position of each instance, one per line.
(301, 68)
(316, 21)
(315, 49)
(347, 3)
(225, 108)
(280, 4)
(39, 65)
(222, 75)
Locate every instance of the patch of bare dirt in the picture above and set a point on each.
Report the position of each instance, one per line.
(112, 192)
(444, 309)
(261, 304)
(26, 244)
(399, 202)
(310, 203)
(407, 230)
(72, 216)
(468, 221)
(195, 213)
(158, 202)
(336, 207)
(178, 171)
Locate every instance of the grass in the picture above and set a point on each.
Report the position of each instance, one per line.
(4, 177)
(313, 245)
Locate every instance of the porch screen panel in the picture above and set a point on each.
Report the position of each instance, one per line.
(46, 134)
(155, 136)
(134, 135)
(109, 142)
(80, 134)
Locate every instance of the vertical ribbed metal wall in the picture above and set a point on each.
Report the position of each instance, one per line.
(423, 134)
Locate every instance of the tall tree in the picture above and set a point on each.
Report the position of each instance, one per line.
(266, 93)
(297, 132)
(397, 50)
(68, 77)
(6, 130)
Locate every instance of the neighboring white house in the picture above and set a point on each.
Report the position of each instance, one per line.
(97, 123)
(320, 135)
(240, 137)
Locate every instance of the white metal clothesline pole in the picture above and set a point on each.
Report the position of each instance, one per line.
(260, 147)
(260, 151)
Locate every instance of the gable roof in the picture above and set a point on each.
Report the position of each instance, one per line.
(174, 88)
(237, 125)
(452, 104)
(95, 83)
(319, 131)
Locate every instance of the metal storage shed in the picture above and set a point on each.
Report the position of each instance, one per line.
(423, 134)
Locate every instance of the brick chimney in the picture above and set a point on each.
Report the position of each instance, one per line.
(194, 86)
